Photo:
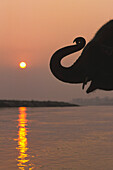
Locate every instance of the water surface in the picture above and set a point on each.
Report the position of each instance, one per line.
(74, 138)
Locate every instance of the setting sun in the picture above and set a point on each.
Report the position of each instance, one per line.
(22, 64)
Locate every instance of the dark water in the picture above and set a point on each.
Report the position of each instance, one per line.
(78, 138)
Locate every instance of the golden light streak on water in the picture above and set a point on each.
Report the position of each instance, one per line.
(23, 157)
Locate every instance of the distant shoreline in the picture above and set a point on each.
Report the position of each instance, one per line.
(33, 103)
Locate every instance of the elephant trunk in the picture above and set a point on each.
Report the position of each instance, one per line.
(74, 73)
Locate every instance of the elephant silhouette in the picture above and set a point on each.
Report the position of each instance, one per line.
(95, 63)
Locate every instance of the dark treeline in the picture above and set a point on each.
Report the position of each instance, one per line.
(32, 103)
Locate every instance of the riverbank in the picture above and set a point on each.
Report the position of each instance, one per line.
(33, 103)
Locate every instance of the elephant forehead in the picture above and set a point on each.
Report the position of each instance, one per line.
(90, 48)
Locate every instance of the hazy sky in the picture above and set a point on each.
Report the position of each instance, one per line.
(32, 30)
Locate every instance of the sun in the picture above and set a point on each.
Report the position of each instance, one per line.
(23, 64)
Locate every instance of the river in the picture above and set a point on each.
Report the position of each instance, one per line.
(68, 138)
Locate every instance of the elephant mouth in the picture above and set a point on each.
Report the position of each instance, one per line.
(91, 87)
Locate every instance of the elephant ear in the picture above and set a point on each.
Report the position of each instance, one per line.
(108, 50)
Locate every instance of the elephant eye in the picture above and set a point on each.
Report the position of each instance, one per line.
(108, 52)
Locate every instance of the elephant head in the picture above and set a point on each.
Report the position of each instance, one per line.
(95, 63)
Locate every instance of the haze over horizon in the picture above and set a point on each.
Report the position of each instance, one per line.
(32, 31)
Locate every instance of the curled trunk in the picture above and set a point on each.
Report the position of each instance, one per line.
(74, 73)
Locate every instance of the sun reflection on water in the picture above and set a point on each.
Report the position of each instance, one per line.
(23, 157)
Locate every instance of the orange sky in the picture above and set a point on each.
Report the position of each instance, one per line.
(32, 30)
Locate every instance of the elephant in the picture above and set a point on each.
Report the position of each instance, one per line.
(94, 65)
